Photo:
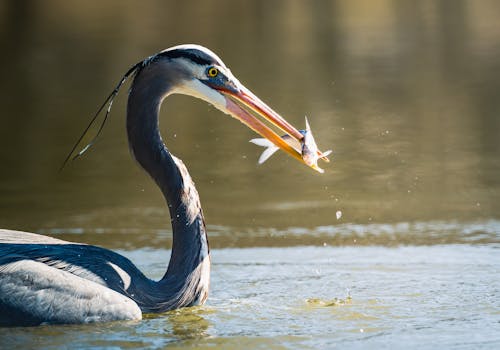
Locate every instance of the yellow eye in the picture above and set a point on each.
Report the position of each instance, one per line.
(212, 72)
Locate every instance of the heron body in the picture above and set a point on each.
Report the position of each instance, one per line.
(45, 280)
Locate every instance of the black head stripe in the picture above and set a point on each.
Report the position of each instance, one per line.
(197, 56)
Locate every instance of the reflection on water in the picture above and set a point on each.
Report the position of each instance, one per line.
(314, 297)
(345, 234)
(406, 95)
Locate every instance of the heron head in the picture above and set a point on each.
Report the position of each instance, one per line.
(205, 76)
(196, 71)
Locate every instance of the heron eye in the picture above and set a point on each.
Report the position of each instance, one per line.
(212, 72)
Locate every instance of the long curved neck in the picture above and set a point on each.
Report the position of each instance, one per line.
(187, 278)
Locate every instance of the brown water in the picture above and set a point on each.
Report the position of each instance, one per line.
(406, 95)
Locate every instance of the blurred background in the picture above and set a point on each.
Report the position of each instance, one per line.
(406, 93)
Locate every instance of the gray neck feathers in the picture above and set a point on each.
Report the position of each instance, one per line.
(186, 280)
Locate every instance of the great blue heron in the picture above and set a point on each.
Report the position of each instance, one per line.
(47, 280)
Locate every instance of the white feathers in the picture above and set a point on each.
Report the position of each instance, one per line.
(196, 88)
(198, 48)
(126, 279)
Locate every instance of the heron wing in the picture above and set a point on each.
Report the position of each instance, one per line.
(43, 279)
(32, 292)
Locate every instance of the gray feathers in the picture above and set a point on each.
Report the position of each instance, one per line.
(54, 281)
(43, 294)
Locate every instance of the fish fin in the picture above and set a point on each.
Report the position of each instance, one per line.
(324, 154)
(308, 128)
(268, 152)
(271, 148)
(317, 168)
(262, 142)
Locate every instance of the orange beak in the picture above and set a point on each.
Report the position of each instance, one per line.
(241, 96)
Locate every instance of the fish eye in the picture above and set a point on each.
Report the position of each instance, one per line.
(212, 72)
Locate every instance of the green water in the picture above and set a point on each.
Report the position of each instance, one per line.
(442, 296)
(406, 95)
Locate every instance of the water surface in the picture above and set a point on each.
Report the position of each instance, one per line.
(406, 95)
(442, 296)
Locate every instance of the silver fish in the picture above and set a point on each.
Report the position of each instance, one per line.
(306, 147)
(309, 151)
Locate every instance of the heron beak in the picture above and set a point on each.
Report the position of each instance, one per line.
(239, 98)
